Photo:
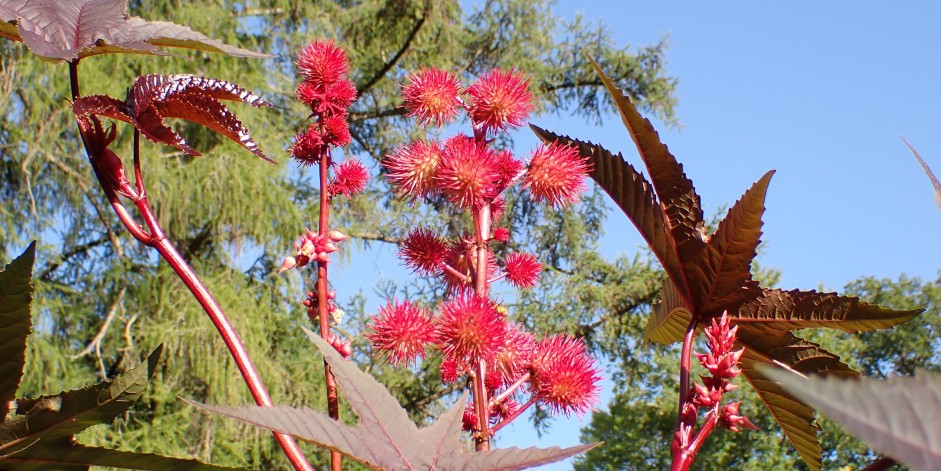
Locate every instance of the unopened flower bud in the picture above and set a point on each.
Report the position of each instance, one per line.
(287, 264)
(337, 236)
(330, 247)
(322, 257)
(332, 294)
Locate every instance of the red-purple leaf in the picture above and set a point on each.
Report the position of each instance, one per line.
(154, 98)
(720, 276)
(384, 437)
(631, 192)
(16, 323)
(72, 29)
(765, 346)
(675, 190)
(67, 454)
(934, 180)
(898, 416)
(789, 310)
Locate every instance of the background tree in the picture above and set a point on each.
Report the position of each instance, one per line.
(104, 300)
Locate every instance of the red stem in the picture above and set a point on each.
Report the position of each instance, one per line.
(519, 411)
(685, 369)
(881, 464)
(333, 403)
(482, 288)
(685, 458)
(159, 241)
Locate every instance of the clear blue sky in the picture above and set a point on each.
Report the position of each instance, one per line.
(818, 91)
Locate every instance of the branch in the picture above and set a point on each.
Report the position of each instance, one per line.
(373, 236)
(78, 249)
(363, 116)
(391, 63)
(95, 344)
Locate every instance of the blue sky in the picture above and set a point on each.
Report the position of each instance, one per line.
(817, 91)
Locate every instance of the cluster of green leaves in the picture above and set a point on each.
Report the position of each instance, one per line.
(708, 275)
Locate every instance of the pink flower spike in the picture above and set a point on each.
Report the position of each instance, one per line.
(349, 178)
(467, 174)
(431, 96)
(556, 175)
(564, 376)
(423, 251)
(412, 168)
(402, 331)
(470, 329)
(500, 99)
(322, 61)
(522, 269)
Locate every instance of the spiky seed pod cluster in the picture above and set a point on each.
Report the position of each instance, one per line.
(329, 93)
(470, 329)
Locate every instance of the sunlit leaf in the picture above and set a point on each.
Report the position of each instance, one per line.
(16, 294)
(673, 188)
(765, 346)
(631, 192)
(789, 310)
(934, 180)
(670, 317)
(384, 437)
(898, 416)
(154, 98)
(65, 30)
(720, 276)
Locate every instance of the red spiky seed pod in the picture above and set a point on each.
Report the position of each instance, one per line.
(467, 174)
(500, 99)
(501, 234)
(522, 269)
(322, 61)
(423, 251)
(336, 131)
(470, 329)
(556, 175)
(564, 377)
(402, 331)
(412, 168)
(349, 178)
(431, 96)
(308, 147)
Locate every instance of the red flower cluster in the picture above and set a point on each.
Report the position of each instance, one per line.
(328, 93)
(313, 246)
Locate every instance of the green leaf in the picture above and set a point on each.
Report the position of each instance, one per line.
(934, 180)
(68, 413)
(898, 416)
(789, 310)
(16, 294)
(674, 189)
(65, 454)
(765, 346)
(720, 276)
(633, 194)
(384, 437)
(670, 317)
(66, 30)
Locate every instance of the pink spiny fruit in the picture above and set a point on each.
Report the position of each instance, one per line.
(556, 175)
(336, 131)
(323, 61)
(470, 329)
(522, 269)
(402, 331)
(500, 99)
(515, 358)
(308, 146)
(501, 234)
(349, 178)
(564, 376)
(423, 251)
(431, 96)
(467, 174)
(412, 168)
